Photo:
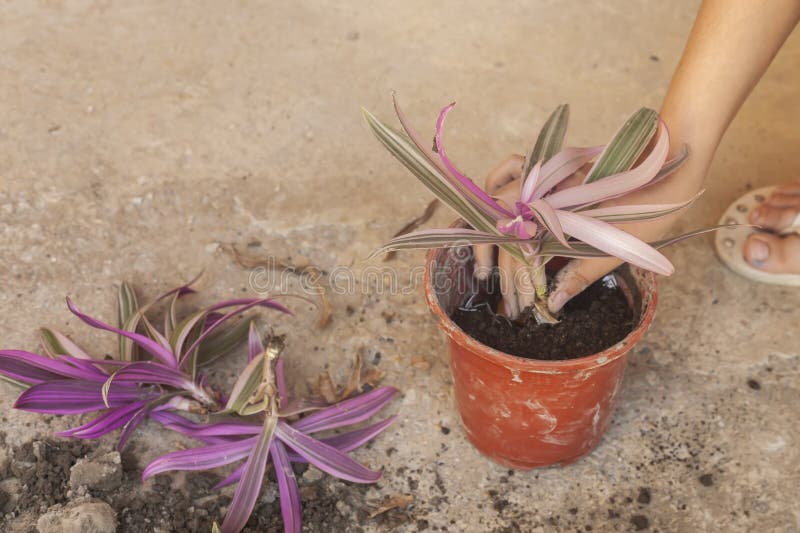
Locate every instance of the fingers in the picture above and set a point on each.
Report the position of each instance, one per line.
(508, 268)
(575, 179)
(523, 281)
(575, 277)
(484, 260)
(506, 172)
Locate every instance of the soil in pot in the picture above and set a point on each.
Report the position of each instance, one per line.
(591, 322)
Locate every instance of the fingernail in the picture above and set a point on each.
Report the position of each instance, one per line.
(557, 301)
(758, 251)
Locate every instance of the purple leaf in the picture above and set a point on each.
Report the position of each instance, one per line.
(325, 457)
(131, 426)
(349, 441)
(347, 412)
(203, 458)
(189, 428)
(66, 397)
(254, 345)
(55, 343)
(617, 184)
(614, 241)
(671, 165)
(146, 343)
(549, 219)
(105, 423)
(529, 187)
(249, 487)
(517, 227)
(345, 442)
(244, 304)
(466, 185)
(424, 148)
(154, 334)
(234, 476)
(678, 238)
(34, 368)
(287, 486)
(436, 238)
(151, 372)
(246, 384)
(627, 213)
(130, 314)
(563, 165)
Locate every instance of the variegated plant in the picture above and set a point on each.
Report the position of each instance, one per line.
(160, 375)
(541, 222)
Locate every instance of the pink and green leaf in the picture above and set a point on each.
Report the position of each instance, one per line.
(249, 487)
(549, 140)
(617, 184)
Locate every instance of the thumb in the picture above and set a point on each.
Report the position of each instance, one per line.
(576, 276)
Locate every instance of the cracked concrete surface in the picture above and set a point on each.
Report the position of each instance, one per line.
(135, 138)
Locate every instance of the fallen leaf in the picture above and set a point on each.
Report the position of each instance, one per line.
(390, 502)
(420, 362)
(325, 387)
(414, 224)
(302, 268)
(359, 378)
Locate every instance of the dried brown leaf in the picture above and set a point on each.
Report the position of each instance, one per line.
(394, 501)
(359, 378)
(302, 267)
(420, 362)
(414, 224)
(325, 387)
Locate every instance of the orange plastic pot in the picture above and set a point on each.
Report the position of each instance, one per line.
(525, 413)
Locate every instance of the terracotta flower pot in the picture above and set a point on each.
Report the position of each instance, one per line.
(525, 413)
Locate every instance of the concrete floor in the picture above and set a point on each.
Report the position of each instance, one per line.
(135, 137)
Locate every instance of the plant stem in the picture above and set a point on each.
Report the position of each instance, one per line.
(539, 279)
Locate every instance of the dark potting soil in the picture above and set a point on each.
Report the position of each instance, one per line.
(593, 321)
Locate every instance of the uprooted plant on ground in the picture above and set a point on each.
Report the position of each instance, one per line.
(159, 374)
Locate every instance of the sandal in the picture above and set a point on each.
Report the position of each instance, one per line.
(729, 243)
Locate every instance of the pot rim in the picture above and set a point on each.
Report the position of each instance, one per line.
(540, 366)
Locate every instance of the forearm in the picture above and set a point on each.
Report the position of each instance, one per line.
(730, 47)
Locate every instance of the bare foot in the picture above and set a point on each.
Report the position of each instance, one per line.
(771, 252)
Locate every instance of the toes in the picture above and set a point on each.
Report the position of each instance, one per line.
(775, 218)
(772, 253)
(783, 199)
(789, 188)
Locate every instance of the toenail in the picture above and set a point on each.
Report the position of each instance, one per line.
(759, 251)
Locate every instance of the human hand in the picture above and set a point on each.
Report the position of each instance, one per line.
(516, 278)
